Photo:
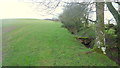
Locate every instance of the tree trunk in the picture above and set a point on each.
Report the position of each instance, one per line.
(100, 35)
(116, 15)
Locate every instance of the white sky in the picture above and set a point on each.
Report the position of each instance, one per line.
(26, 9)
(21, 9)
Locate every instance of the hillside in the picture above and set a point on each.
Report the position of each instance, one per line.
(32, 42)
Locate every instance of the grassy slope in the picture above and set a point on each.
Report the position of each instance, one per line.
(39, 42)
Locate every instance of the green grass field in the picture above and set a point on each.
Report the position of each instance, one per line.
(32, 42)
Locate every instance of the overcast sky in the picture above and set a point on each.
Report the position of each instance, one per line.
(26, 9)
(21, 9)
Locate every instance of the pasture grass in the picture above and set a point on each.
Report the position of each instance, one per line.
(44, 43)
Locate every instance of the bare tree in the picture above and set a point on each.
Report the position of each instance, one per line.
(73, 16)
(116, 15)
(100, 35)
